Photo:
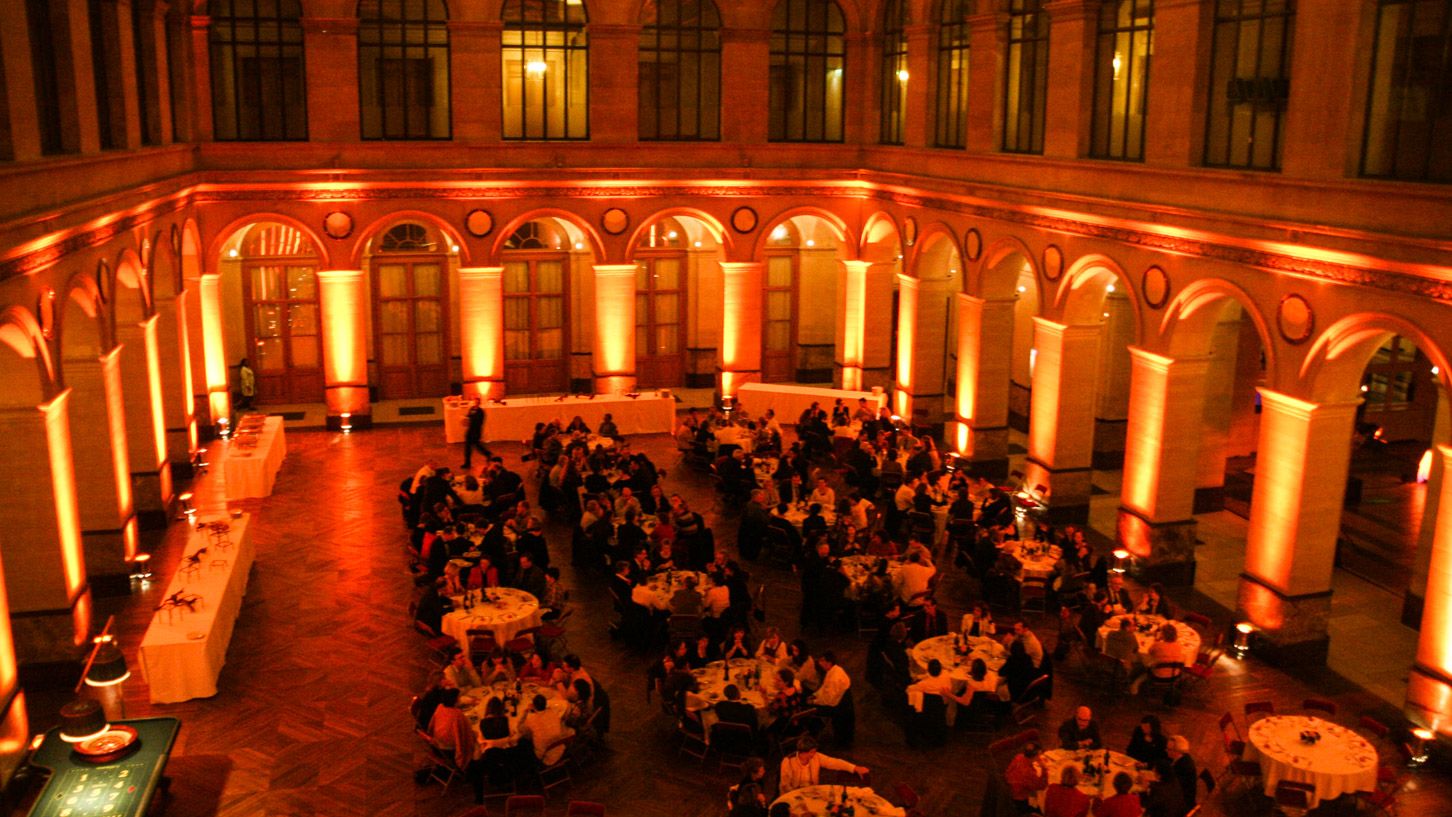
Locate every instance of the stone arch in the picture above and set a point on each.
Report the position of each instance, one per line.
(238, 227)
(1333, 367)
(990, 279)
(82, 305)
(592, 238)
(381, 225)
(880, 229)
(26, 367)
(190, 255)
(1081, 294)
(834, 223)
(165, 267)
(930, 243)
(130, 293)
(1190, 318)
(717, 231)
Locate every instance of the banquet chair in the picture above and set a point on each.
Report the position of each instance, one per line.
(583, 808)
(1199, 621)
(1319, 705)
(1230, 737)
(441, 764)
(1294, 799)
(692, 735)
(684, 627)
(921, 526)
(1242, 771)
(1170, 684)
(1209, 780)
(524, 643)
(908, 798)
(1259, 707)
(524, 805)
(553, 774)
(1033, 596)
(1375, 728)
(733, 743)
(482, 643)
(1383, 799)
(441, 645)
(1204, 665)
(551, 635)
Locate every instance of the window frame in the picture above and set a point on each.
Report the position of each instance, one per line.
(892, 115)
(952, 109)
(523, 26)
(1398, 88)
(1109, 30)
(783, 54)
(1257, 85)
(1022, 14)
(708, 123)
(406, 40)
(287, 45)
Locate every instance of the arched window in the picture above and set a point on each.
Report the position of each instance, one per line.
(259, 86)
(680, 70)
(1250, 81)
(951, 126)
(1410, 102)
(411, 312)
(1121, 78)
(403, 69)
(546, 70)
(1026, 80)
(894, 71)
(808, 63)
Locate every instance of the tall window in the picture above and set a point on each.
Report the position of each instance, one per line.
(894, 71)
(403, 69)
(536, 276)
(44, 66)
(280, 299)
(143, 42)
(105, 65)
(808, 62)
(951, 128)
(680, 71)
(1409, 109)
(1121, 78)
(546, 73)
(410, 321)
(1250, 80)
(1026, 80)
(259, 89)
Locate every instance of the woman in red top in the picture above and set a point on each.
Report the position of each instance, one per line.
(1122, 804)
(1063, 799)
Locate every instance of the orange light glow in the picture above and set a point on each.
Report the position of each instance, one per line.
(907, 330)
(214, 354)
(1434, 643)
(7, 642)
(741, 300)
(1424, 466)
(614, 347)
(120, 452)
(481, 314)
(853, 318)
(964, 438)
(184, 360)
(63, 487)
(1165, 400)
(158, 418)
(345, 356)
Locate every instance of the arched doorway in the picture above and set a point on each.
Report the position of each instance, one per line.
(281, 319)
(927, 347)
(673, 254)
(537, 261)
(409, 265)
(801, 259)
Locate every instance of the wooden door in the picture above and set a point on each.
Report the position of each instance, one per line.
(410, 325)
(660, 319)
(281, 304)
(779, 318)
(535, 322)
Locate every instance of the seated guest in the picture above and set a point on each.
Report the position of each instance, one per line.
(555, 595)
(718, 596)
(930, 621)
(1080, 731)
(1122, 644)
(1026, 776)
(815, 525)
(772, 648)
(499, 669)
(582, 707)
(608, 428)
(577, 425)
(430, 611)
(461, 673)
(1165, 649)
(536, 670)
(799, 661)
(1147, 745)
(735, 710)
(979, 680)
(913, 579)
(1154, 602)
(543, 726)
(571, 672)
(531, 578)
(1119, 598)
(450, 732)
(1182, 767)
(678, 681)
(823, 495)
(1063, 799)
(978, 622)
(935, 682)
(702, 652)
(1031, 643)
(1018, 672)
(804, 768)
(688, 600)
(738, 645)
(1122, 803)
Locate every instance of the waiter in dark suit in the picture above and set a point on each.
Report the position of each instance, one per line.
(474, 433)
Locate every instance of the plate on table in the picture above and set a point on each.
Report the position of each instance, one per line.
(109, 745)
(196, 635)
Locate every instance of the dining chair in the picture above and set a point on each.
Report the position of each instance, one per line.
(1259, 707)
(441, 764)
(583, 808)
(525, 805)
(1319, 705)
(1294, 799)
(1376, 728)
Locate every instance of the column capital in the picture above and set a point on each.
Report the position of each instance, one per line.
(481, 273)
(610, 270)
(1161, 363)
(741, 266)
(1305, 409)
(340, 274)
(976, 300)
(1067, 330)
(859, 264)
(909, 281)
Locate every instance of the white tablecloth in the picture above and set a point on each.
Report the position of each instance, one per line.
(481, 696)
(859, 567)
(1340, 762)
(249, 470)
(711, 681)
(1101, 786)
(735, 435)
(789, 401)
(183, 652)
(1186, 636)
(512, 611)
(814, 801)
(514, 420)
(1035, 565)
(663, 586)
(456, 419)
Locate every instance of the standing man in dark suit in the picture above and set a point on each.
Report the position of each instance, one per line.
(474, 433)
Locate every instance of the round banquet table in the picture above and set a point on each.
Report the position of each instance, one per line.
(736, 435)
(1339, 763)
(814, 801)
(797, 514)
(506, 611)
(1101, 786)
(711, 681)
(663, 586)
(957, 666)
(1035, 565)
(857, 568)
(1149, 627)
(482, 695)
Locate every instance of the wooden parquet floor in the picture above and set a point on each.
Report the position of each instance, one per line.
(311, 714)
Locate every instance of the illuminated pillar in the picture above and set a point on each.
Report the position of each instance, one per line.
(102, 469)
(981, 404)
(14, 726)
(344, 300)
(1429, 687)
(1431, 505)
(1295, 515)
(851, 324)
(907, 327)
(1061, 426)
(40, 534)
(145, 424)
(613, 361)
(741, 326)
(176, 381)
(219, 396)
(481, 319)
(1111, 411)
(1156, 512)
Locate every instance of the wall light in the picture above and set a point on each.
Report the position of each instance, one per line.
(579, 245)
(1241, 647)
(1120, 555)
(346, 424)
(1109, 288)
(811, 243)
(536, 67)
(1421, 740)
(232, 253)
(902, 75)
(1022, 289)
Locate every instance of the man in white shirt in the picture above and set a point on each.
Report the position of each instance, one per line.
(718, 598)
(805, 767)
(1031, 643)
(905, 493)
(936, 682)
(913, 578)
(824, 495)
(834, 698)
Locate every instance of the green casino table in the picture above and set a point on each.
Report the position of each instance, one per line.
(123, 787)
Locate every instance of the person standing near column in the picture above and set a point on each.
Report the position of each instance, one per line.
(474, 434)
(246, 384)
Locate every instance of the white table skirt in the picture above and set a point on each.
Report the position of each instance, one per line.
(521, 613)
(1186, 636)
(816, 801)
(514, 420)
(789, 401)
(1339, 763)
(251, 472)
(177, 664)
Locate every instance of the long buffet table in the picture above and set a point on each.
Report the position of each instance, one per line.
(184, 649)
(514, 419)
(789, 401)
(251, 459)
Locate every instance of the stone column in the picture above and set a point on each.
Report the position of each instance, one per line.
(1320, 110)
(877, 326)
(1429, 687)
(1061, 427)
(330, 48)
(1431, 504)
(200, 122)
(102, 469)
(1072, 25)
(907, 329)
(1300, 483)
(145, 422)
(219, 396)
(481, 321)
(117, 22)
(19, 102)
(983, 371)
(1111, 409)
(741, 327)
(851, 325)
(1156, 521)
(344, 300)
(176, 382)
(45, 578)
(613, 361)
